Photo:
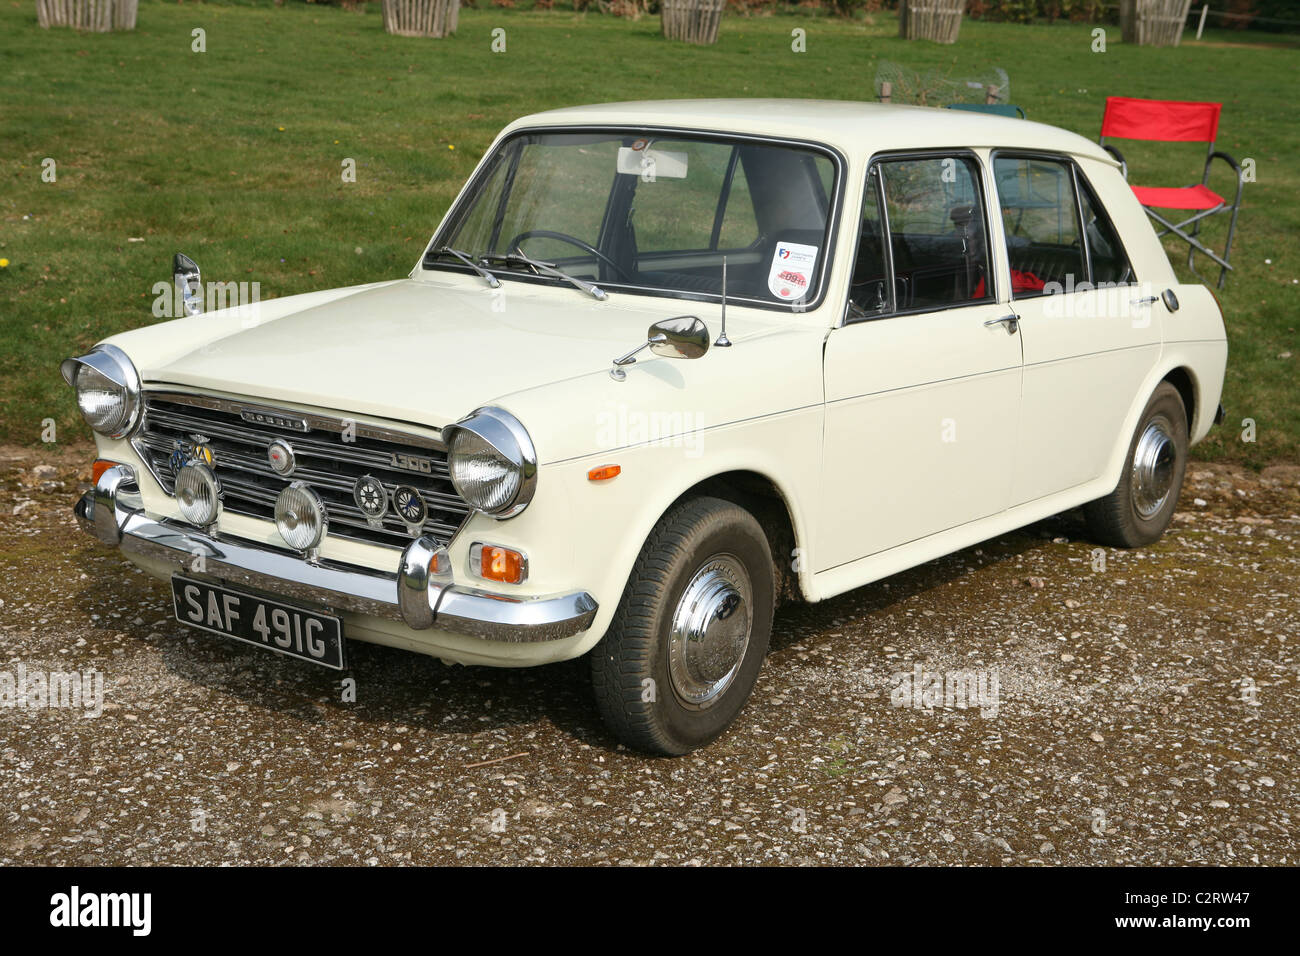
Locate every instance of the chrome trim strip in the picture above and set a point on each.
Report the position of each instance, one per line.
(305, 446)
(313, 420)
(113, 514)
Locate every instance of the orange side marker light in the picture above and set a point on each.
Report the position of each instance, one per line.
(100, 466)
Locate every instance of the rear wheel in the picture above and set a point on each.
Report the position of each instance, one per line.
(1140, 508)
(687, 641)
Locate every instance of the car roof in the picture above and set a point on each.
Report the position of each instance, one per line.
(853, 127)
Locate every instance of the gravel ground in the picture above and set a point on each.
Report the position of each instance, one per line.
(1145, 713)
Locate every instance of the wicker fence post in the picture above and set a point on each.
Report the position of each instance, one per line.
(692, 21)
(937, 20)
(99, 16)
(1153, 22)
(421, 18)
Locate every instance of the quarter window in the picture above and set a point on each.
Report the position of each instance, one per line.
(1110, 265)
(869, 292)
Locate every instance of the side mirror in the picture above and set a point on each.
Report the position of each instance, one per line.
(684, 337)
(189, 285)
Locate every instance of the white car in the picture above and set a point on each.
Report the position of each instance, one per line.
(876, 334)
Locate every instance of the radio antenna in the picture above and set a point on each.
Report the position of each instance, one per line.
(724, 342)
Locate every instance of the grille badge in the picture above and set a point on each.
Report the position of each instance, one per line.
(281, 458)
(408, 503)
(275, 420)
(371, 498)
(411, 463)
(183, 452)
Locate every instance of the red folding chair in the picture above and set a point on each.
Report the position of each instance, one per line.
(1175, 121)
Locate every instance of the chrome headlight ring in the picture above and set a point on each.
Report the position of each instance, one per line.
(492, 462)
(110, 363)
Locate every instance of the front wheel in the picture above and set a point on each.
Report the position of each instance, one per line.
(686, 643)
(1140, 508)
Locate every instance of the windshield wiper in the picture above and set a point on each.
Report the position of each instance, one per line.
(492, 280)
(549, 269)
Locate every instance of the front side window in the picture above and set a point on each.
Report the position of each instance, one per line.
(645, 211)
(922, 243)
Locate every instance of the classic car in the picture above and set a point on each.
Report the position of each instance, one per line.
(662, 367)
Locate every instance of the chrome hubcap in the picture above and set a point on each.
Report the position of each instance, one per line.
(1153, 466)
(710, 632)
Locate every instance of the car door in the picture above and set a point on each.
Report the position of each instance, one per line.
(1088, 335)
(923, 378)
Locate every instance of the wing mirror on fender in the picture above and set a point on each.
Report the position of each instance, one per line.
(189, 285)
(684, 337)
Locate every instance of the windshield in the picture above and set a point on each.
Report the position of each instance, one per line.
(643, 211)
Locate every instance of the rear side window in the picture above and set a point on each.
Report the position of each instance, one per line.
(928, 213)
(1041, 224)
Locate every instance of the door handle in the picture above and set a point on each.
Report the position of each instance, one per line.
(1012, 323)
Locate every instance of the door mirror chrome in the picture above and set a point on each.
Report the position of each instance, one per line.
(684, 337)
(189, 285)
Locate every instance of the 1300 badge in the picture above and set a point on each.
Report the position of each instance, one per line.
(411, 463)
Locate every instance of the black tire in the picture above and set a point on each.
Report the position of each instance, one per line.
(698, 542)
(1118, 519)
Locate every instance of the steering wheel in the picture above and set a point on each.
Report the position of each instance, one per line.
(573, 241)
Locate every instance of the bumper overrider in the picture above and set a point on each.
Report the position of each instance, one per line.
(113, 513)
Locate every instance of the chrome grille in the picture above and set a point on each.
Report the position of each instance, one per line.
(239, 434)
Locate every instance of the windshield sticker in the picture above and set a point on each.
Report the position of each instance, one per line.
(792, 269)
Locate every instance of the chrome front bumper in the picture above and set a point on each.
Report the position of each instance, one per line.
(114, 513)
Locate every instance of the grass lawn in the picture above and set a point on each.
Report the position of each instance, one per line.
(233, 155)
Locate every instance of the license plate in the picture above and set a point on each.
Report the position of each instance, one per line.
(307, 635)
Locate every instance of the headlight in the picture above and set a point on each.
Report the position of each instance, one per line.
(108, 389)
(492, 462)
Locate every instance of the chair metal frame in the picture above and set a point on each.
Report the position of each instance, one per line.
(1179, 229)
